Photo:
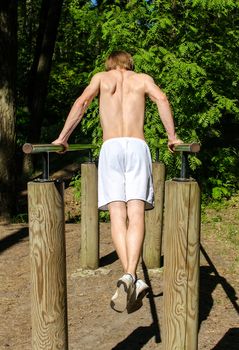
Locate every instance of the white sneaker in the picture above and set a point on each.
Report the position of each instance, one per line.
(124, 292)
(136, 301)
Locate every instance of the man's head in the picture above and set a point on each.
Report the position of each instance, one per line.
(120, 59)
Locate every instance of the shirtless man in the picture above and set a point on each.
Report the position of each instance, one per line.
(125, 168)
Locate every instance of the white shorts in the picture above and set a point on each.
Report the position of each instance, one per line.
(125, 172)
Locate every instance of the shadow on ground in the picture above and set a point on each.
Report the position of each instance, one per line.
(209, 280)
(108, 259)
(137, 339)
(14, 238)
(230, 341)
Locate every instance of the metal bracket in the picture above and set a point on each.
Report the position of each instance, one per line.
(184, 172)
(184, 165)
(46, 165)
(90, 156)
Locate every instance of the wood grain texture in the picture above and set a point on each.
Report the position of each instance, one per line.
(154, 220)
(181, 270)
(48, 266)
(89, 249)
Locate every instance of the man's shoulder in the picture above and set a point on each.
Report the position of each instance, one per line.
(102, 75)
(142, 77)
(99, 75)
(145, 76)
(97, 78)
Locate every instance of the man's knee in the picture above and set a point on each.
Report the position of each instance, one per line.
(135, 210)
(117, 210)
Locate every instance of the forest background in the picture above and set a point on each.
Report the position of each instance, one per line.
(50, 49)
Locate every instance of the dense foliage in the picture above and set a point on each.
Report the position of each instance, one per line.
(191, 48)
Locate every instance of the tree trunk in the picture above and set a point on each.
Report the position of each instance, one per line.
(8, 61)
(41, 67)
(40, 72)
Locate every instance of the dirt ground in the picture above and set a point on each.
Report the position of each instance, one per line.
(92, 323)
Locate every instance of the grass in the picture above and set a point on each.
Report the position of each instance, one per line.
(220, 221)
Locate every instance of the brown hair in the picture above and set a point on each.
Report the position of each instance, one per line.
(120, 59)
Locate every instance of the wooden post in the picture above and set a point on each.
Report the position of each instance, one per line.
(154, 220)
(48, 266)
(89, 249)
(181, 265)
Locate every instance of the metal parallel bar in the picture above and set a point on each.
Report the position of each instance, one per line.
(29, 148)
(187, 147)
(39, 148)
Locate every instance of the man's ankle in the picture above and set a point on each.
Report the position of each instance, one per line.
(134, 276)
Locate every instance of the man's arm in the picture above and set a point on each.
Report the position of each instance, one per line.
(78, 109)
(164, 109)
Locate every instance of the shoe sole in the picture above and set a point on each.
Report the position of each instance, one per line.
(119, 303)
(138, 302)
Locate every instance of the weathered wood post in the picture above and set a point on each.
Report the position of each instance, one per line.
(89, 248)
(48, 265)
(47, 254)
(181, 262)
(154, 220)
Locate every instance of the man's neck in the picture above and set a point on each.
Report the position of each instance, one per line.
(119, 69)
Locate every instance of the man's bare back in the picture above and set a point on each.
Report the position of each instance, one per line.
(122, 104)
(122, 96)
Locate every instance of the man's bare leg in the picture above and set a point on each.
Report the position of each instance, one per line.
(135, 234)
(118, 218)
(125, 285)
(128, 240)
